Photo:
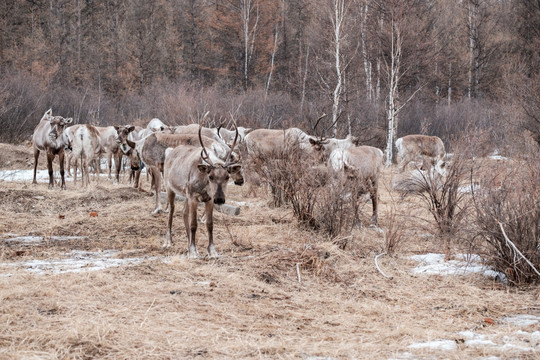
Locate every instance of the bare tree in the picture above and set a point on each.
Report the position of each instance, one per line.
(406, 47)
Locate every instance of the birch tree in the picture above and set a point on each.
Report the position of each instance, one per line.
(249, 15)
(406, 49)
(340, 11)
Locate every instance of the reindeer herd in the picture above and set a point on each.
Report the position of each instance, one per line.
(198, 162)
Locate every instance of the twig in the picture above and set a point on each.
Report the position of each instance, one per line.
(517, 250)
(298, 272)
(146, 313)
(378, 268)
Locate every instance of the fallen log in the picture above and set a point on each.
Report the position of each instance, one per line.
(225, 208)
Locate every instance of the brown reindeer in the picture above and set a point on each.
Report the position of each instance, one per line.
(190, 171)
(49, 136)
(151, 152)
(428, 149)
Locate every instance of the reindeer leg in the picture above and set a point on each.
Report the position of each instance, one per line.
(76, 167)
(118, 164)
(68, 165)
(171, 195)
(209, 209)
(109, 162)
(157, 183)
(136, 183)
(374, 201)
(50, 158)
(36, 157)
(191, 226)
(61, 161)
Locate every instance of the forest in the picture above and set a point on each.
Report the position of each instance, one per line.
(378, 69)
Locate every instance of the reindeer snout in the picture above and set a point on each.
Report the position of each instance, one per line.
(239, 182)
(219, 200)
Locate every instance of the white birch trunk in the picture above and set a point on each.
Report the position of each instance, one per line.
(471, 49)
(249, 34)
(272, 62)
(337, 21)
(449, 83)
(393, 94)
(304, 79)
(367, 63)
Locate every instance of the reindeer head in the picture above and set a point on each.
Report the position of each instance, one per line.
(58, 124)
(218, 172)
(122, 136)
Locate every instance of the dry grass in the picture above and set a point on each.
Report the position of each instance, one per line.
(246, 304)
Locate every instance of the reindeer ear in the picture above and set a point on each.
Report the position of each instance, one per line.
(234, 168)
(116, 127)
(205, 169)
(313, 142)
(131, 128)
(48, 112)
(68, 120)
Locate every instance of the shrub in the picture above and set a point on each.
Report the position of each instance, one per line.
(318, 198)
(508, 219)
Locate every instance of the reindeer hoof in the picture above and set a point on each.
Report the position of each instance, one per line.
(212, 253)
(157, 211)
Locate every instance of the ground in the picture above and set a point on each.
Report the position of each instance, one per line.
(83, 275)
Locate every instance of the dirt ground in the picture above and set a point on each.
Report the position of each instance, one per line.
(278, 291)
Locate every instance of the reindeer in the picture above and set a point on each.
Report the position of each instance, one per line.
(84, 140)
(151, 151)
(418, 180)
(190, 171)
(107, 138)
(193, 129)
(134, 133)
(362, 166)
(228, 135)
(428, 149)
(156, 125)
(270, 142)
(49, 136)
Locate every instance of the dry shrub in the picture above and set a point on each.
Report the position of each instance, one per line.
(318, 198)
(444, 198)
(393, 232)
(508, 219)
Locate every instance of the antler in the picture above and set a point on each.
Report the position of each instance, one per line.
(321, 138)
(204, 154)
(319, 119)
(234, 142)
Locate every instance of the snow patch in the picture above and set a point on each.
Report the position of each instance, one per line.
(28, 175)
(77, 261)
(462, 264)
(522, 320)
(33, 240)
(435, 345)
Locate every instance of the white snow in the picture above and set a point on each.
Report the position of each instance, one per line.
(29, 240)
(462, 264)
(41, 175)
(76, 261)
(522, 320)
(435, 345)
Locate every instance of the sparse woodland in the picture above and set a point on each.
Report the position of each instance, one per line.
(378, 69)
